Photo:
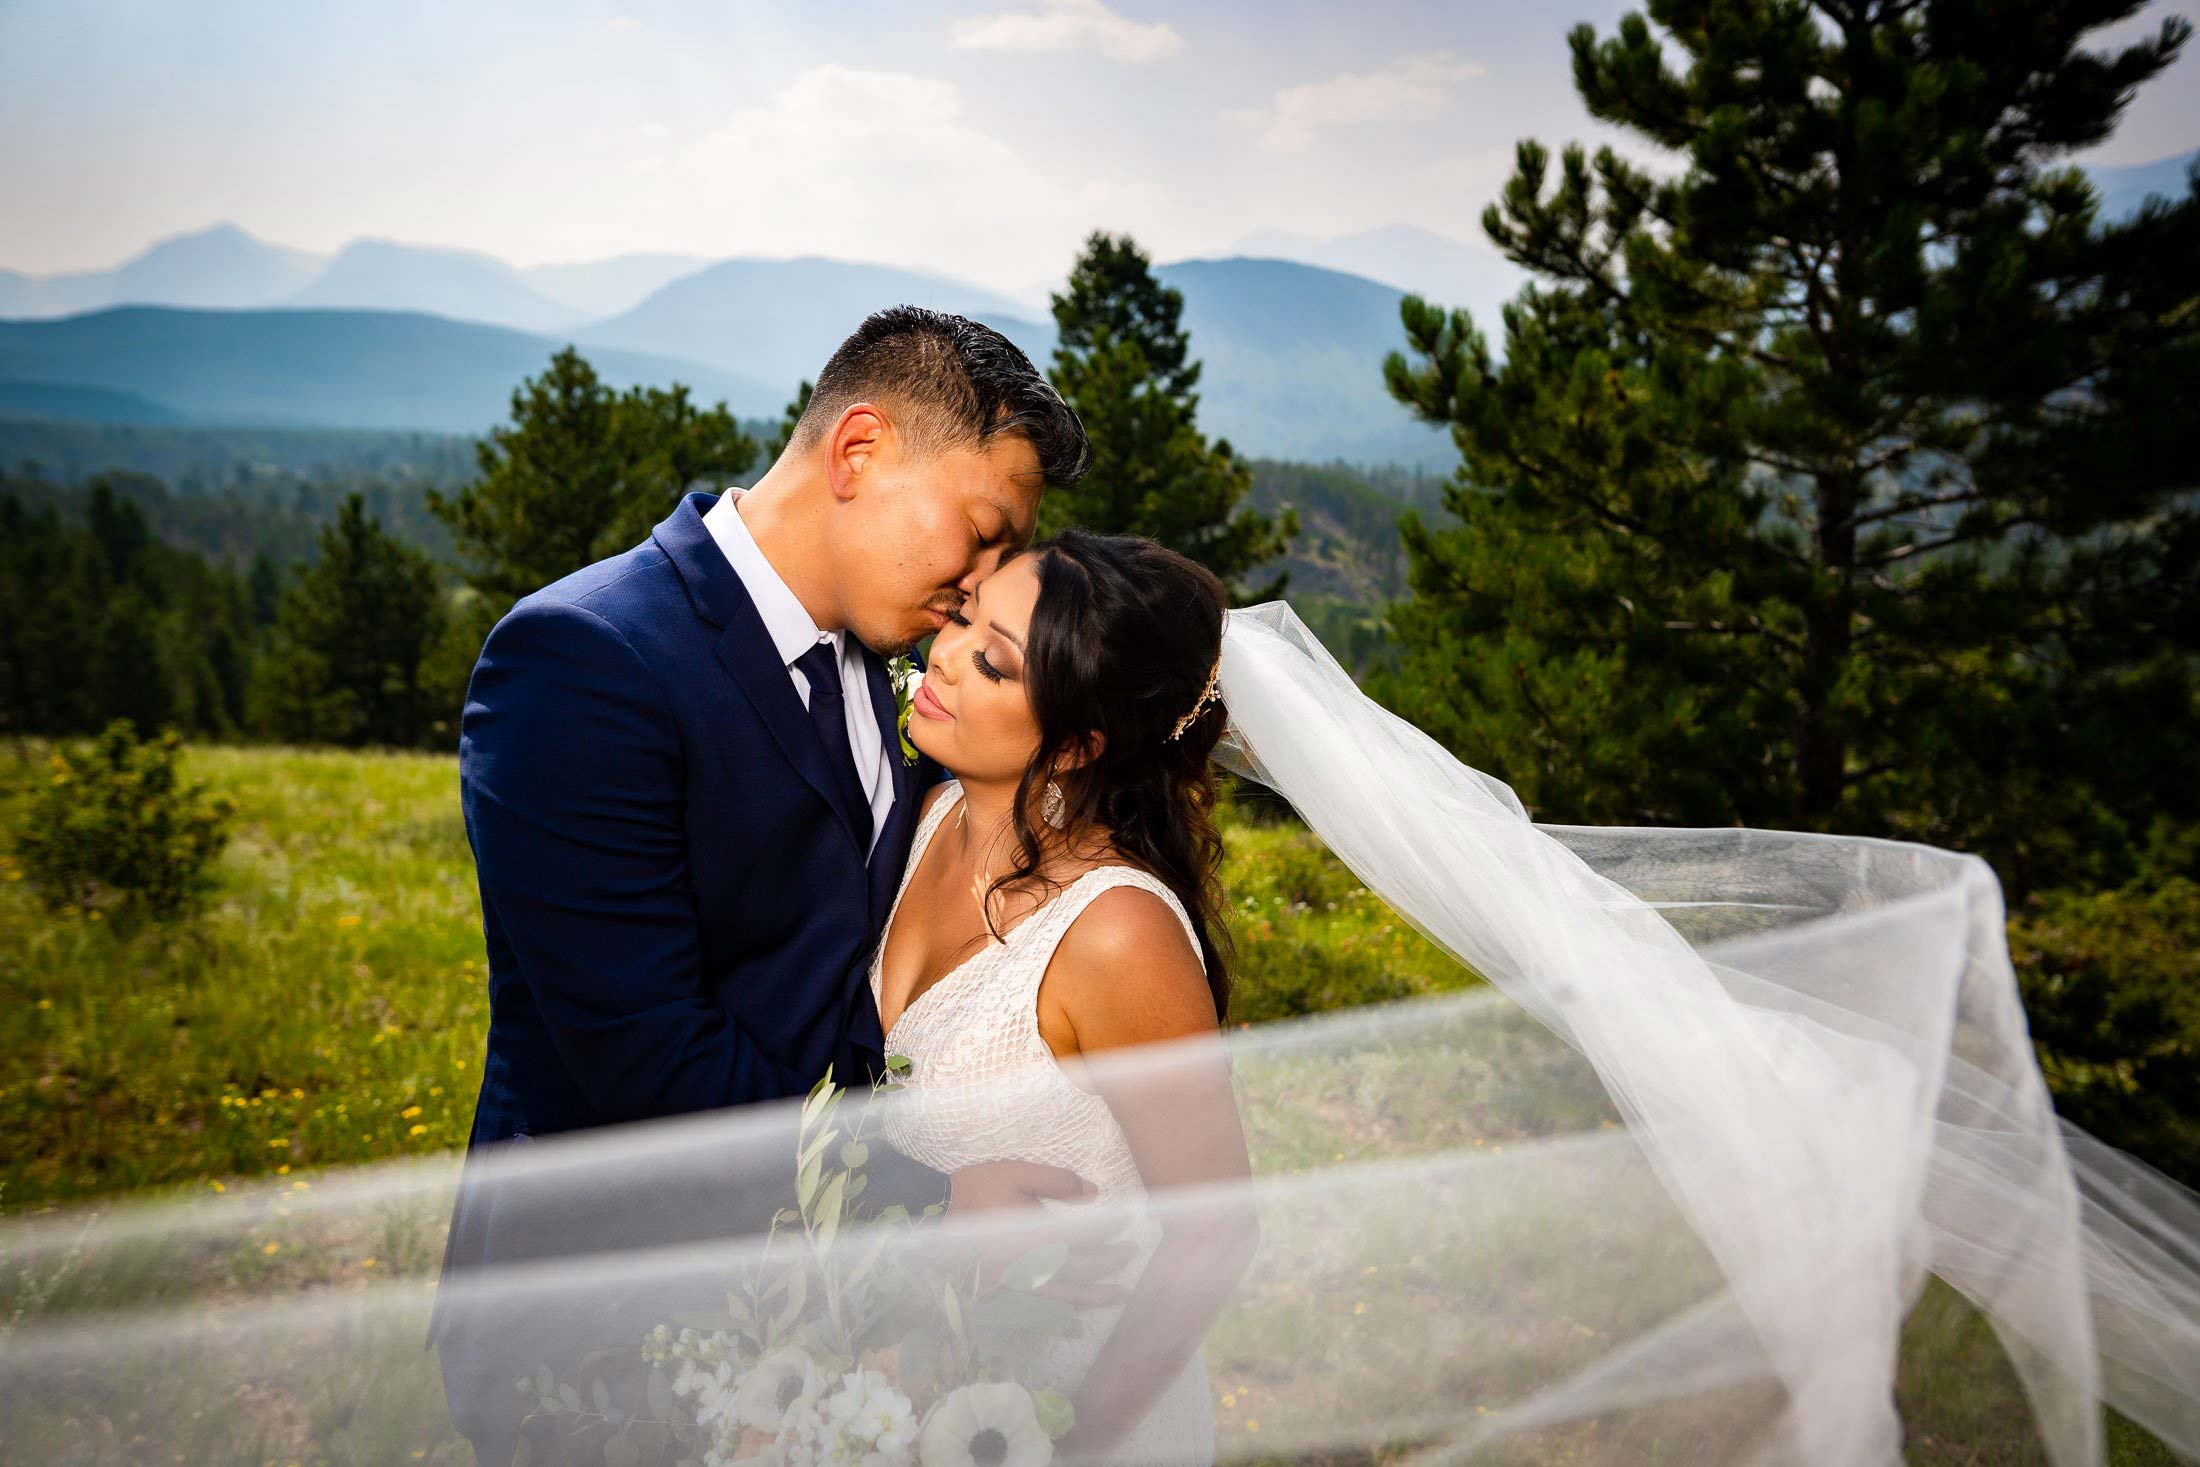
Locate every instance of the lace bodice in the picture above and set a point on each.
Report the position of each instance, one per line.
(983, 1086)
(976, 1030)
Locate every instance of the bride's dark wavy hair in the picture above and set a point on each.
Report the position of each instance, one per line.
(1122, 638)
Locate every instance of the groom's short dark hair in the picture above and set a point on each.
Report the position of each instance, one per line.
(961, 382)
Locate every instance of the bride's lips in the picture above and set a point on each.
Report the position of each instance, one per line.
(923, 702)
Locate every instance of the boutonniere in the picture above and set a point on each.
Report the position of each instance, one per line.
(902, 671)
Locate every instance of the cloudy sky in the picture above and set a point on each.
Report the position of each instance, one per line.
(983, 139)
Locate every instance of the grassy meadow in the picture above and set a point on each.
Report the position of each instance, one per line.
(328, 1009)
(329, 1006)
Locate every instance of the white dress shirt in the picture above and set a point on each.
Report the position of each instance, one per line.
(793, 633)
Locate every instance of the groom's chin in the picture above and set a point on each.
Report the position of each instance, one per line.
(892, 642)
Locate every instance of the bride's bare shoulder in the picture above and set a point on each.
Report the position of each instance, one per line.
(1124, 973)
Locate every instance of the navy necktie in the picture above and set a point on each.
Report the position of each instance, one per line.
(829, 715)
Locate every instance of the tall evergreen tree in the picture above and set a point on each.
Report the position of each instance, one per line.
(354, 631)
(784, 434)
(42, 630)
(581, 472)
(1838, 480)
(1123, 359)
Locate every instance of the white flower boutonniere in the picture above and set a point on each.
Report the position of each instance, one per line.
(903, 672)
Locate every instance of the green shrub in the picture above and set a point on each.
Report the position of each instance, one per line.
(114, 829)
(2107, 982)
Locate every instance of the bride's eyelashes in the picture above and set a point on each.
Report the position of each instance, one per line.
(977, 655)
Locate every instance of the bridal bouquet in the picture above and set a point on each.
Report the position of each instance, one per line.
(834, 1347)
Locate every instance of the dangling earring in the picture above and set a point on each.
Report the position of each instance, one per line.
(1050, 805)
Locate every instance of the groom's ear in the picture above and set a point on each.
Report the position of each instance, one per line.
(852, 445)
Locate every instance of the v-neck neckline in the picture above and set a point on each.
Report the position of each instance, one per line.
(916, 859)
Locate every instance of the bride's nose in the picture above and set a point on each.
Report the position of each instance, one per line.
(940, 661)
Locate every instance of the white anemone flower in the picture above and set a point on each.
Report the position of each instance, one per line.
(783, 1379)
(991, 1424)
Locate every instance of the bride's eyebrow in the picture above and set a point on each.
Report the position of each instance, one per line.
(1004, 631)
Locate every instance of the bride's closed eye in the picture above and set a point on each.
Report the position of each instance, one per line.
(978, 658)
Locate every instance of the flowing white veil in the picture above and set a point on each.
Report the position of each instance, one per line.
(1817, 1043)
(1669, 1189)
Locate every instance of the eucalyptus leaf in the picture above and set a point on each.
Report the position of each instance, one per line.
(661, 1401)
(798, 1293)
(870, 1257)
(1035, 1269)
(1006, 1312)
(816, 1099)
(815, 1146)
(828, 1207)
(805, 1185)
(951, 1306)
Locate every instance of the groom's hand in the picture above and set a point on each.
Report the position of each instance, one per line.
(989, 1184)
(1094, 1251)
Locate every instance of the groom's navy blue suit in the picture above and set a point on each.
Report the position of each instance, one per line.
(679, 912)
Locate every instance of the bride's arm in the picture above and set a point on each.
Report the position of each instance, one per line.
(1124, 976)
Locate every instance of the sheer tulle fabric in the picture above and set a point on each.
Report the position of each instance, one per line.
(1817, 1045)
(1673, 1187)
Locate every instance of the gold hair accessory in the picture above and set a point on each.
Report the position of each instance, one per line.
(1206, 696)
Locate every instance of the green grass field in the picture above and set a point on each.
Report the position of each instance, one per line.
(328, 1009)
(329, 1006)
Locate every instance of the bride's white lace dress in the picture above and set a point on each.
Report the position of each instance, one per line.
(973, 1036)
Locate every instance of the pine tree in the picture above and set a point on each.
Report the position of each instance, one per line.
(354, 631)
(1123, 360)
(787, 421)
(581, 472)
(1837, 480)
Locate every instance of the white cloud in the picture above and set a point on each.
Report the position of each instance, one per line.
(884, 166)
(1069, 25)
(1409, 89)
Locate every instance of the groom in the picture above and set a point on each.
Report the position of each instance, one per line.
(683, 782)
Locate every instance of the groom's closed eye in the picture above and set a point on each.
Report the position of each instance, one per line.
(1005, 529)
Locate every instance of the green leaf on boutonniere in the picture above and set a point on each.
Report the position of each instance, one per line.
(902, 672)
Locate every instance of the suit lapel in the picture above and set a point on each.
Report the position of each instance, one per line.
(747, 652)
(745, 649)
(885, 854)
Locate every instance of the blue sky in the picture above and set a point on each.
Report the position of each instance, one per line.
(981, 139)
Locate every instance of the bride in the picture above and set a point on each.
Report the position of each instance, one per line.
(1812, 1047)
(1060, 899)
